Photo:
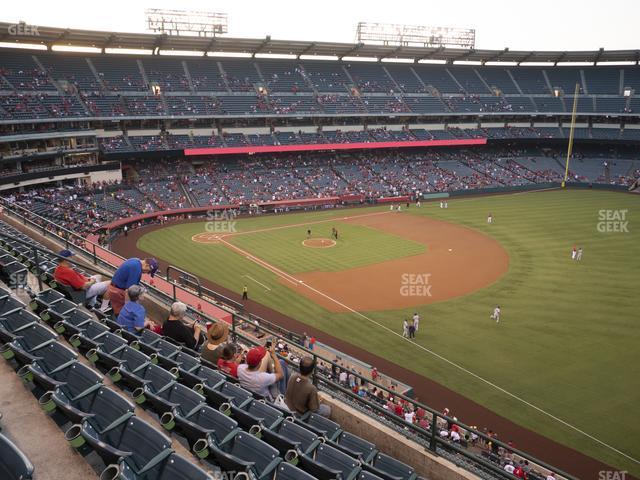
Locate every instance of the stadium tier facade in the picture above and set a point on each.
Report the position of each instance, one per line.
(91, 143)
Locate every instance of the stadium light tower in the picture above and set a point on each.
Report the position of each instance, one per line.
(184, 22)
(415, 35)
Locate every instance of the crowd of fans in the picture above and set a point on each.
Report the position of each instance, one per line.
(153, 186)
(373, 134)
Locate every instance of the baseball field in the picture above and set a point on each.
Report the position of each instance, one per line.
(564, 360)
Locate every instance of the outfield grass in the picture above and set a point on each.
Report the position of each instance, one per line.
(568, 341)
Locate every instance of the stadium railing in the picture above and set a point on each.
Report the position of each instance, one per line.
(429, 438)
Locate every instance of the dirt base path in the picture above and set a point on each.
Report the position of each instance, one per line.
(427, 391)
(457, 261)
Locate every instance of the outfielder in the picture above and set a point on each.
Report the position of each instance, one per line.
(496, 314)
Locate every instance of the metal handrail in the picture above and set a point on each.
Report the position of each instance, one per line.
(186, 274)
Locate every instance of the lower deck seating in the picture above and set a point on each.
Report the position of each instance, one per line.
(171, 381)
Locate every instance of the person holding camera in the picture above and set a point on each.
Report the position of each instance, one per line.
(264, 374)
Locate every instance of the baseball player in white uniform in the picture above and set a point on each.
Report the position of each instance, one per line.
(496, 314)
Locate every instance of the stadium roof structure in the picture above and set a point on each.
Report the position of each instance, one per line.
(55, 36)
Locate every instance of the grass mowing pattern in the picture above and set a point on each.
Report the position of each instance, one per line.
(357, 246)
(568, 339)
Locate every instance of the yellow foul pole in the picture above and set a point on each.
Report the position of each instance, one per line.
(573, 126)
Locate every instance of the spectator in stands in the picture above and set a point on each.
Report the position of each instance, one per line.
(127, 275)
(133, 316)
(263, 374)
(92, 286)
(230, 359)
(176, 329)
(216, 337)
(302, 395)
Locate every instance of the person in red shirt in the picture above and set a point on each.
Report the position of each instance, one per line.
(229, 360)
(519, 472)
(92, 286)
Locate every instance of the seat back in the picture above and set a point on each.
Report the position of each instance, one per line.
(75, 296)
(108, 406)
(110, 342)
(177, 467)
(132, 358)
(356, 445)
(9, 303)
(252, 449)
(238, 394)
(211, 377)
(94, 329)
(77, 317)
(49, 296)
(185, 361)
(149, 338)
(336, 460)
(297, 433)
(14, 465)
(269, 414)
(157, 376)
(328, 428)
(211, 419)
(166, 349)
(286, 471)
(186, 398)
(54, 355)
(63, 306)
(140, 438)
(34, 336)
(392, 467)
(365, 475)
(16, 319)
(78, 378)
(11, 322)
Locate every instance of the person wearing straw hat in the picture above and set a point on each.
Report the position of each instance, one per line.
(217, 336)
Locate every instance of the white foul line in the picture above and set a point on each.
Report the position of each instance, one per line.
(280, 227)
(259, 283)
(295, 281)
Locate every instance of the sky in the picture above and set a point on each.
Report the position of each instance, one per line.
(519, 25)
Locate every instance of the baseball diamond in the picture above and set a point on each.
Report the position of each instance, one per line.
(520, 260)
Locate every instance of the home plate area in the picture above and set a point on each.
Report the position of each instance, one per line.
(206, 237)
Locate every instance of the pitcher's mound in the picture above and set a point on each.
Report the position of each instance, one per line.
(319, 243)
